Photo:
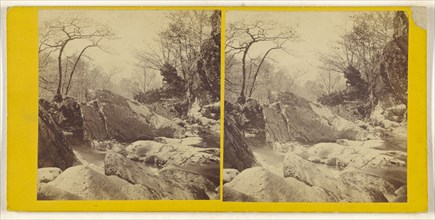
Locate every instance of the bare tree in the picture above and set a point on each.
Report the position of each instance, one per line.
(58, 34)
(144, 79)
(240, 39)
(328, 82)
(106, 81)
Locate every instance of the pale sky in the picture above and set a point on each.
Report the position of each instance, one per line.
(317, 30)
(134, 29)
(138, 29)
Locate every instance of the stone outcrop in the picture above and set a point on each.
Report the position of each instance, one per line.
(48, 174)
(277, 129)
(49, 192)
(161, 155)
(348, 186)
(232, 195)
(306, 122)
(53, 148)
(230, 174)
(237, 153)
(106, 117)
(107, 114)
(162, 186)
(262, 185)
(190, 179)
(82, 182)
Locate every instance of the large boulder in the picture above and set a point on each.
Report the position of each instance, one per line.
(82, 182)
(370, 182)
(48, 174)
(232, 195)
(262, 185)
(161, 155)
(49, 192)
(277, 130)
(191, 178)
(304, 171)
(163, 186)
(306, 122)
(229, 174)
(237, 154)
(53, 149)
(355, 154)
(355, 187)
(94, 122)
(123, 119)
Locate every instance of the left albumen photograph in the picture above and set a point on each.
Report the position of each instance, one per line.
(129, 105)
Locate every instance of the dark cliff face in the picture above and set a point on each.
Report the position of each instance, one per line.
(53, 148)
(237, 153)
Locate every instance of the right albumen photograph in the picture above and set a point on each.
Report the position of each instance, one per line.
(316, 106)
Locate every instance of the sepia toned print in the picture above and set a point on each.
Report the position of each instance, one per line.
(316, 106)
(129, 105)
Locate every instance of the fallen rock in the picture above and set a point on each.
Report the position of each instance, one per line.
(276, 124)
(159, 154)
(356, 154)
(48, 174)
(53, 149)
(355, 187)
(230, 174)
(232, 195)
(123, 119)
(370, 182)
(190, 178)
(94, 122)
(304, 171)
(262, 185)
(49, 192)
(85, 183)
(165, 187)
(293, 118)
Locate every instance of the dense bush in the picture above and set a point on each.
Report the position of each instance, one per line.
(173, 84)
(357, 89)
